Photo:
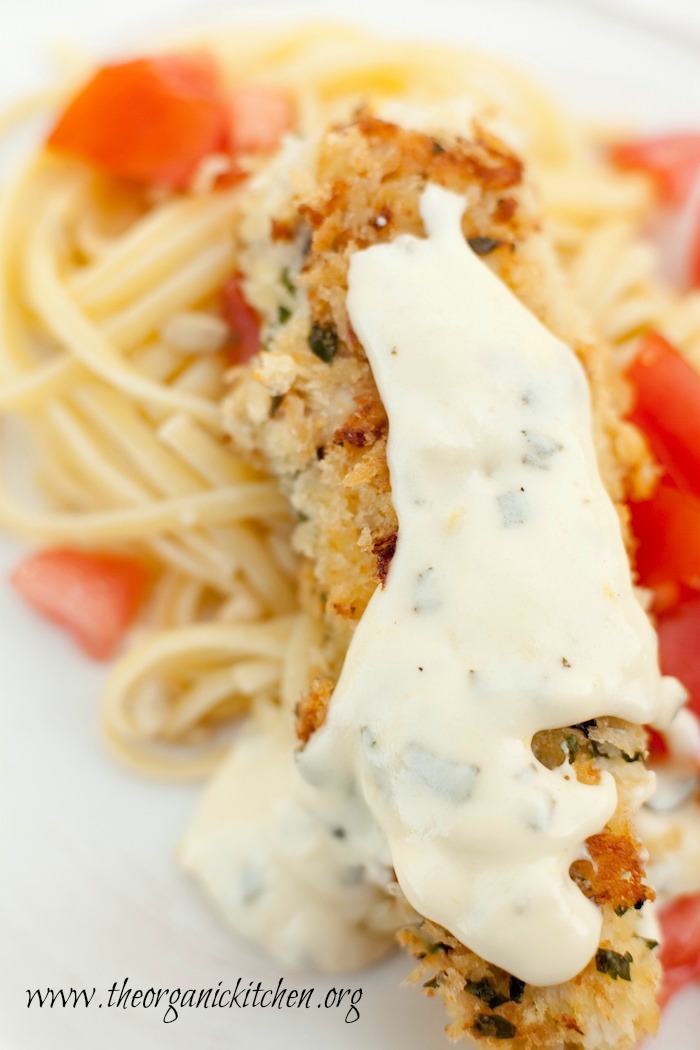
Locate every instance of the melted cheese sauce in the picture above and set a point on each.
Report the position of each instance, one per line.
(508, 609)
(273, 856)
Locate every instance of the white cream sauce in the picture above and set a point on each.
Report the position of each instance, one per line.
(669, 824)
(508, 609)
(286, 874)
(683, 738)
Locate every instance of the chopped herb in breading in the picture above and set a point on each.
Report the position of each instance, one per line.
(483, 245)
(323, 340)
(605, 750)
(493, 1025)
(287, 281)
(485, 991)
(516, 988)
(571, 747)
(613, 964)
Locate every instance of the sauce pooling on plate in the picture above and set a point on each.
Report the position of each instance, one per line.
(508, 609)
(284, 868)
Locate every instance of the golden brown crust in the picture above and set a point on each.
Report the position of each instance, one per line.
(614, 875)
(312, 708)
(363, 426)
(595, 1010)
(368, 182)
(384, 548)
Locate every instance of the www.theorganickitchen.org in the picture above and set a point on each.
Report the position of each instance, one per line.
(243, 995)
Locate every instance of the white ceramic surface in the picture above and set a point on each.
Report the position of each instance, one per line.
(89, 891)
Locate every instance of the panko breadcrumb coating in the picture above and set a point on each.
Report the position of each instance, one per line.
(307, 409)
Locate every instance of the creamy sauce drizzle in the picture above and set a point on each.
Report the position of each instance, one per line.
(508, 609)
(273, 855)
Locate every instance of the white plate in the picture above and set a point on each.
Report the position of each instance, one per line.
(90, 893)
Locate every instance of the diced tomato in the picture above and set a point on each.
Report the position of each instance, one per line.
(95, 595)
(151, 119)
(673, 161)
(667, 409)
(680, 951)
(667, 527)
(666, 596)
(679, 646)
(258, 117)
(243, 321)
(658, 747)
(155, 119)
(694, 255)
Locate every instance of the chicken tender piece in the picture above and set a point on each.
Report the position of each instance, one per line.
(324, 439)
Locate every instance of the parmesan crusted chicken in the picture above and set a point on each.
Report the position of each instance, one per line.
(307, 410)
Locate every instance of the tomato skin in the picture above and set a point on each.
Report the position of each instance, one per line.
(243, 321)
(154, 119)
(667, 409)
(679, 646)
(694, 255)
(95, 595)
(667, 527)
(149, 120)
(680, 951)
(658, 748)
(258, 117)
(673, 161)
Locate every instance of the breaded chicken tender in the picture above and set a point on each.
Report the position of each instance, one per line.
(307, 410)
